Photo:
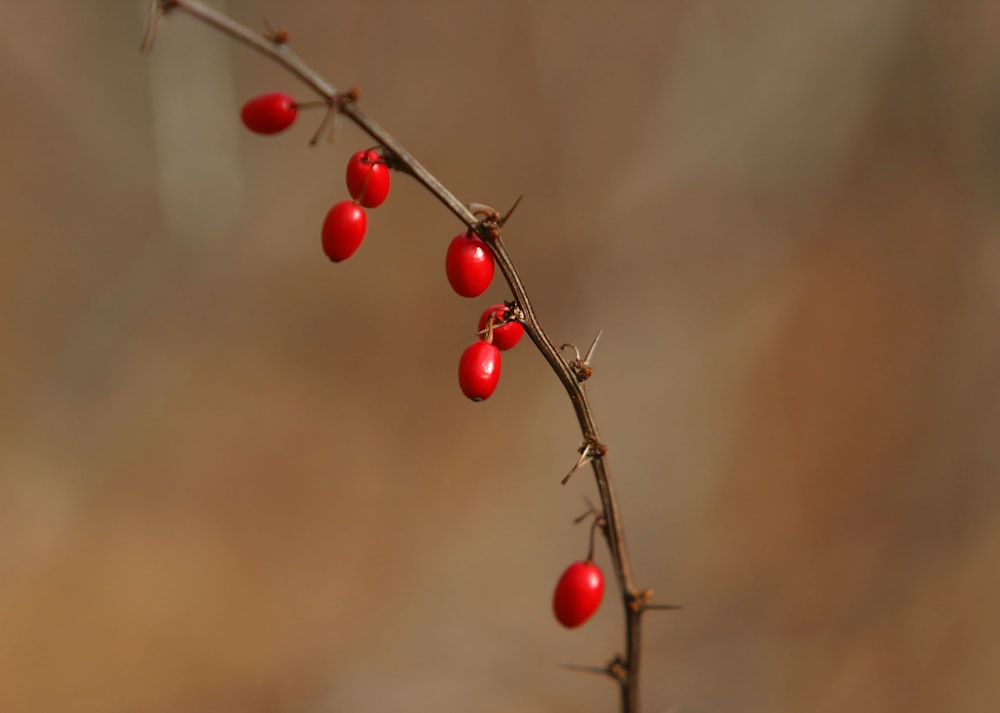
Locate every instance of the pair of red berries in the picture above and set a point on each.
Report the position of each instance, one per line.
(479, 367)
(367, 175)
(345, 224)
(469, 267)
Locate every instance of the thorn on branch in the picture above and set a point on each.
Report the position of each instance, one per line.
(613, 670)
(329, 120)
(581, 366)
(640, 602)
(591, 510)
(510, 212)
(335, 105)
(588, 451)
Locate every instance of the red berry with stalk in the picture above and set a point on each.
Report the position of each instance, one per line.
(269, 113)
(368, 178)
(469, 265)
(578, 593)
(580, 588)
(479, 370)
(505, 334)
(343, 230)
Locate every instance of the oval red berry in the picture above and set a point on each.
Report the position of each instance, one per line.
(506, 335)
(343, 230)
(479, 370)
(469, 265)
(269, 113)
(578, 593)
(368, 178)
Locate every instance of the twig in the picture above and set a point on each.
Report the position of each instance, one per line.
(274, 47)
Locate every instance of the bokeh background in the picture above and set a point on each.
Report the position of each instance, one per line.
(236, 477)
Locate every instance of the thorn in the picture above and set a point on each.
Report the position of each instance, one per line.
(511, 211)
(662, 607)
(581, 367)
(588, 451)
(591, 510)
(587, 669)
(584, 458)
(593, 347)
(328, 120)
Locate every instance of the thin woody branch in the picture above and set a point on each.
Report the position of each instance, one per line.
(487, 225)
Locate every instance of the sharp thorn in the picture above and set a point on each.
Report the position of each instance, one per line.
(586, 669)
(511, 211)
(593, 347)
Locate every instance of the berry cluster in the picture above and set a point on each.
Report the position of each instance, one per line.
(367, 175)
(469, 267)
(479, 367)
(345, 224)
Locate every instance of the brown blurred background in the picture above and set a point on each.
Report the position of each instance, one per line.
(236, 477)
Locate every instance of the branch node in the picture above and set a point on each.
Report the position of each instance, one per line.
(590, 449)
(617, 669)
(278, 36)
(581, 365)
(490, 220)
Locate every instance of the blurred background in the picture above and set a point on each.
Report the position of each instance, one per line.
(237, 477)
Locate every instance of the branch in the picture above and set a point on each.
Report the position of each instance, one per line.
(488, 226)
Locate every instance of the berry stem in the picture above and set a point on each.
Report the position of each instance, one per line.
(489, 229)
(311, 105)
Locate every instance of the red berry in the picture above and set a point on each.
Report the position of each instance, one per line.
(578, 593)
(343, 230)
(504, 336)
(368, 178)
(469, 265)
(269, 113)
(479, 370)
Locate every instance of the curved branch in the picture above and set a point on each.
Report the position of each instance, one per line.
(276, 49)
